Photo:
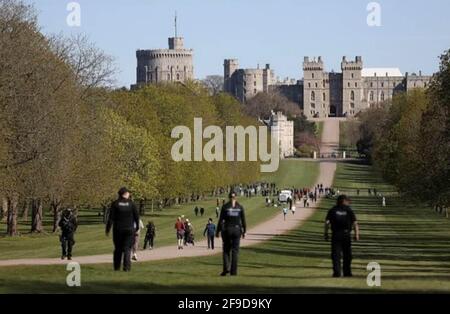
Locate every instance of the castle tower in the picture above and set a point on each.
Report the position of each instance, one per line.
(315, 95)
(174, 64)
(352, 86)
(229, 68)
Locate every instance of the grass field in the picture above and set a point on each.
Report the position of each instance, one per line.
(91, 240)
(410, 242)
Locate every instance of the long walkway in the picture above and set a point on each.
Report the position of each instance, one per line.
(264, 231)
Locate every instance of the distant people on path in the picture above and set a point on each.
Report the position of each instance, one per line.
(179, 227)
(217, 211)
(188, 233)
(210, 231)
(202, 211)
(305, 201)
(357, 192)
(232, 226)
(293, 210)
(285, 211)
(68, 225)
(383, 202)
(196, 211)
(342, 220)
(124, 219)
(137, 237)
(150, 235)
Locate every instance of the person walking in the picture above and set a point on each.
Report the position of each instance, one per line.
(137, 237)
(217, 211)
(179, 227)
(196, 211)
(210, 231)
(285, 211)
(202, 211)
(383, 202)
(68, 225)
(232, 226)
(293, 209)
(342, 220)
(124, 219)
(150, 235)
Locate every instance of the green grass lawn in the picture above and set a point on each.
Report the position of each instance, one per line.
(410, 242)
(90, 237)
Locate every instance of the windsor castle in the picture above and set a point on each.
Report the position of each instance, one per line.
(320, 93)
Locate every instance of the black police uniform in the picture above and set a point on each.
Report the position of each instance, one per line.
(124, 217)
(68, 225)
(341, 219)
(231, 225)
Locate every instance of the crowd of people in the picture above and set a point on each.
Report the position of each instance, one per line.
(126, 224)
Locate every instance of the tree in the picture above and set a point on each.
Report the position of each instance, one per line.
(263, 104)
(214, 84)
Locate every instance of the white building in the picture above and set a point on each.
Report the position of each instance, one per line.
(282, 131)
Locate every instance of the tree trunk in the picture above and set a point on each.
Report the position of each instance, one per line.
(36, 216)
(56, 209)
(12, 215)
(4, 208)
(141, 207)
(25, 210)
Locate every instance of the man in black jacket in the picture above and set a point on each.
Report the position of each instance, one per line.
(342, 220)
(68, 226)
(232, 226)
(124, 218)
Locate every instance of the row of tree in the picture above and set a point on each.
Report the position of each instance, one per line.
(408, 139)
(68, 139)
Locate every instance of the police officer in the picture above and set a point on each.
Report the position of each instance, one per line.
(68, 226)
(124, 218)
(232, 227)
(342, 220)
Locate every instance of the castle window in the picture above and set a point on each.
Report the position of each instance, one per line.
(324, 97)
(254, 91)
(356, 84)
(352, 95)
(317, 85)
(371, 84)
(371, 96)
(313, 105)
(348, 84)
(313, 96)
(353, 75)
(178, 76)
(254, 83)
(168, 77)
(309, 85)
(352, 105)
(382, 96)
(382, 84)
(312, 75)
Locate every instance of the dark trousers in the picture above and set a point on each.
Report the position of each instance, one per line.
(123, 241)
(341, 248)
(148, 240)
(67, 243)
(231, 237)
(210, 241)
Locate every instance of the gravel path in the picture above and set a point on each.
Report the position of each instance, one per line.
(257, 234)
